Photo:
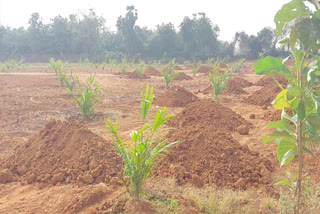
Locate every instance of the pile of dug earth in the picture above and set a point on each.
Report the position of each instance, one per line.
(208, 154)
(61, 153)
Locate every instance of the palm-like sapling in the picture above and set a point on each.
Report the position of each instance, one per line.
(140, 153)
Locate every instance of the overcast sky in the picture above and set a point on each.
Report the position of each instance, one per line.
(230, 15)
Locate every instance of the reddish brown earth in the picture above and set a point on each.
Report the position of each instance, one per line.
(65, 152)
(240, 82)
(204, 69)
(208, 114)
(268, 81)
(32, 97)
(235, 86)
(177, 67)
(176, 96)
(151, 71)
(208, 154)
(264, 96)
(182, 76)
(134, 75)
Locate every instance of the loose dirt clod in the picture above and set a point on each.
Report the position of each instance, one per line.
(208, 154)
(176, 96)
(65, 151)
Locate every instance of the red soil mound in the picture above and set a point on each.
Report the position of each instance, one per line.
(235, 86)
(207, 113)
(65, 152)
(264, 96)
(176, 96)
(182, 76)
(134, 75)
(268, 81)
(208, 154)
(241, 82)
(151, 71)
(177, 67)
(204, 69)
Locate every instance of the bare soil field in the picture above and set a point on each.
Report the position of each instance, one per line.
(53, 162)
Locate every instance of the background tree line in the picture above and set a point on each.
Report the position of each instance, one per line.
(85, 36)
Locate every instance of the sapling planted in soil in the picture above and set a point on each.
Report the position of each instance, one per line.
(140, 153)
(298, 130)
(88, 97)
(219, 81)
(140, 69)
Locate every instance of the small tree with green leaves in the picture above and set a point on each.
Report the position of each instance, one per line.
(168, 73)
(219, 81)
(298, 131)
(124, 66)
(57, 66)
(168, 76)
(113, 64)
(196, 69)
(140, 69)
(140, 153)
(88, 96)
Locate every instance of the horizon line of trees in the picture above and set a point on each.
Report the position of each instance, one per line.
(85, 36)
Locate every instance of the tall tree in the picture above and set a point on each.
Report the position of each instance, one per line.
(125, 25)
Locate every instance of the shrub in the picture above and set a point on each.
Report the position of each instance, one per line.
(219, 81)
(140, 69)
(88, 96)
(124, 66)
(140, 154)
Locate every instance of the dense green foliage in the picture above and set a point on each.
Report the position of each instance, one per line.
(299, 128)
(139, 155)
(85, 35)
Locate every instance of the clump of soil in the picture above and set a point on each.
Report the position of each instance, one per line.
(204, 69)
(134, 75)
(234, 88)
(240, 81)
(177, 67)
(182, 76)
(151, 71)
(210, 114)
(176, 96)
(264, 96)
(211, 157)
(208, 154)
(65, 152)
(267, 81)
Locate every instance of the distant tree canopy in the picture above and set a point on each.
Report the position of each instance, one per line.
(85, 36)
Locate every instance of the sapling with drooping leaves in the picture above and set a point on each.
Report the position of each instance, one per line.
(299, 128)
(140, 153)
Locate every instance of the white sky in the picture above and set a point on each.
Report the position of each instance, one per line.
(230, 15)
